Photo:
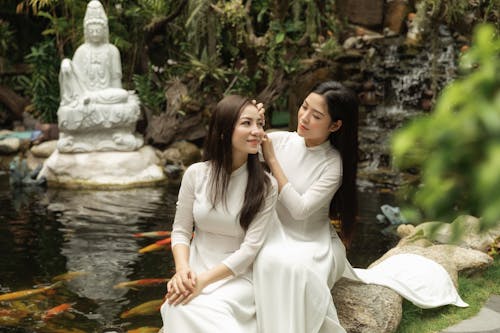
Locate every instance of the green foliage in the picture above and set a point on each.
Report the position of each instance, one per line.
(44, 77)
(6, 38)
(457, 147)
(151, 93)
(448, 10)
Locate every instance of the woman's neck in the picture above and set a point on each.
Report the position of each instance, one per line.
(238, 160)
(314, 142)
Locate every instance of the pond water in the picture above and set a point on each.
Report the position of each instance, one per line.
(48, 232)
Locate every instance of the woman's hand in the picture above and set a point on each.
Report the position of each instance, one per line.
(181, 285)
(262, 111)
(201, 283)
(267, 149)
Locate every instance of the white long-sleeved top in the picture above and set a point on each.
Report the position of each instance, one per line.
(314, 175)
(219, 238)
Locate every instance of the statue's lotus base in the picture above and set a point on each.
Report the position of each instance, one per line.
(103, 170)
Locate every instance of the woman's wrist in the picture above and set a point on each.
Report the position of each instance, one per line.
(181, 267)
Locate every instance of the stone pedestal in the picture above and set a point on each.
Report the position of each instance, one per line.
(103, 170)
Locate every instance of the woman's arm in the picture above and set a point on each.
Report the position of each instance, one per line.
(302, 205)
(272, 162)
(184, 280)
(240, 260)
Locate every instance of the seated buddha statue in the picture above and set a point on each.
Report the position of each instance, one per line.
(96, 113)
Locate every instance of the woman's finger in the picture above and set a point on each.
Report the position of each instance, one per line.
(188, 299)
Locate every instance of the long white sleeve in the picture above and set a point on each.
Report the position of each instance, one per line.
(322, 163)
(183, 222)
(301, 206)
(241, 259)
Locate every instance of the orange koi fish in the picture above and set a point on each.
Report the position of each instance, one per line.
(68, 276)
(28, 292)
(153, 234)
(148, 308)
(138, 283)
(165, 241)
(156, 245)
(56, 310)
(145, 329)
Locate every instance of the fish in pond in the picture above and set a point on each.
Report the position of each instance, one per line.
(68, 276)
(50, 313)
(28, 293)
(153, 234)
(148, 308)
(140, 283)
(158, 245)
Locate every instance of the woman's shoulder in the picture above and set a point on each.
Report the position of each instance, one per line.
(279, 137)
(196, 169)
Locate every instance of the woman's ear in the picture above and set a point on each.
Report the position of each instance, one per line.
(335, 126)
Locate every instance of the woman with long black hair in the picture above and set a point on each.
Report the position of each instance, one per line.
(229, 201)
(315, 168)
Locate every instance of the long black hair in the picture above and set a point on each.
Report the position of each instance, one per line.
(218, 151)
(342, 105)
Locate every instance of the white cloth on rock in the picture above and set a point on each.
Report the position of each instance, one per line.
(227, 305)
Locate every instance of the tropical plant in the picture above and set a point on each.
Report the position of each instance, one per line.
(6, 38)
(44, 77)
(457, 147)
(150, 91)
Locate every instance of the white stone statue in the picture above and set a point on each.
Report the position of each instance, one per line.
(96, 113)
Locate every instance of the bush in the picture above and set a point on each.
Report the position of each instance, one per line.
(457, 147)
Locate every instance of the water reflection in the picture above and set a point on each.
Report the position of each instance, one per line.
(44, 233)
(97, 229)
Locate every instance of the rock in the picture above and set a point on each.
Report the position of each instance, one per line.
(395, 15)
(405, 230)
(49, 132)
(364, 308)
(32, 161)
(171, 156)
(364, 12)
(9, 145)
(104, 170)
(466, 225)
(44, 149)
(189, 152)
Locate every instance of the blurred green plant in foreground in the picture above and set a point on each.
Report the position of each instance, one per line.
(456, 149)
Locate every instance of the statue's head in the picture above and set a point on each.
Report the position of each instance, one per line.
(95, 24)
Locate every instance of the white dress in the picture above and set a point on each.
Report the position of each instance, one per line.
(303, 256)
(227, 305)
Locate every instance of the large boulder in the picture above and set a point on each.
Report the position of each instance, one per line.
(364, 12)
(9, 146)
(44, 149)
(182, 153)
(365, 308)
(443, 233)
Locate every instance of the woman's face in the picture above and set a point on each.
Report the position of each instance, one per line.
(248, 132)
(314, 122)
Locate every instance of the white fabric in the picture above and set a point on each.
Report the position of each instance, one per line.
(227, 305)
(303, 256)
(422, 281)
